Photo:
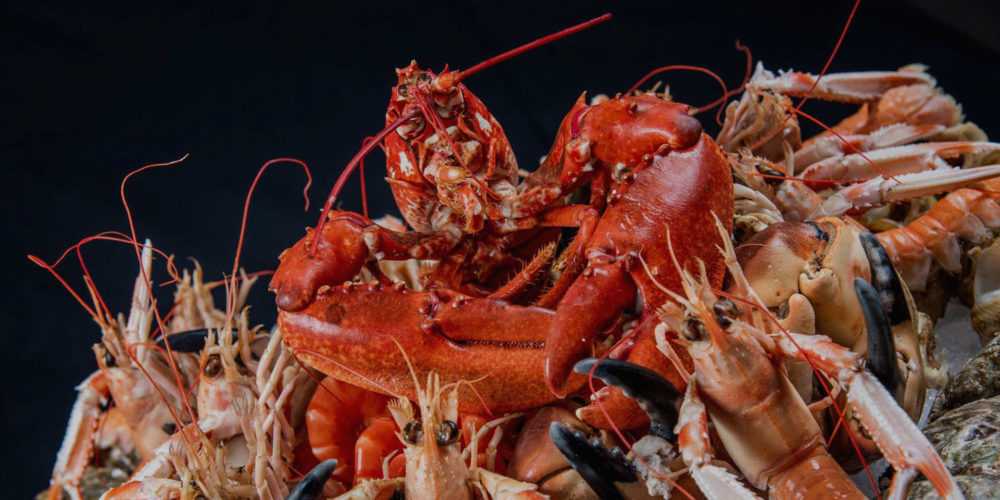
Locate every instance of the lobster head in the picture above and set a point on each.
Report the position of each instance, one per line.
(423, 90)
(450, 146)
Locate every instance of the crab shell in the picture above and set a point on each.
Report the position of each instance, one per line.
(805, 273)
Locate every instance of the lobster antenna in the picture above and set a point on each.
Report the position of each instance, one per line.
(367, 148)
(529, 46)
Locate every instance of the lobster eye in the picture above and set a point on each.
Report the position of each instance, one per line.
(693, 330)
(423, 77)
(403, 90)
(725, 312)
(213, 367)
(413, 432)
(447, 433)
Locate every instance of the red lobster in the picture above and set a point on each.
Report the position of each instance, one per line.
(650, 172)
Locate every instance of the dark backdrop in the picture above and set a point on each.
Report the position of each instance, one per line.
(90, 92)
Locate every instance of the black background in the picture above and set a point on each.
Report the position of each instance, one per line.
(90, 92)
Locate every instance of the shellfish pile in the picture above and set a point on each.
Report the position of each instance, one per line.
(750, 315)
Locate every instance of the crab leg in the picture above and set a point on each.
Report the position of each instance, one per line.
(880, 191)
(659, 398)
(894, 161)
(655, 395)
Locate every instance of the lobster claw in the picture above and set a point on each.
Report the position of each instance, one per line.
(331, 258)
(311, 485)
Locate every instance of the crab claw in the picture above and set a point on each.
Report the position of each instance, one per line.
(655, 395)
(881, 346)
(880, 191)
(832, 146)
(600, 467)
(885, 280)
(894, 160)
(311, 485)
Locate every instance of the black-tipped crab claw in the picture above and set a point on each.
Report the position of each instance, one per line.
(311, 485)
(608, 471)
(599, 466)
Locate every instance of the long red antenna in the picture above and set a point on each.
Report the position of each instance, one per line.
(529, 46)
(365, 149)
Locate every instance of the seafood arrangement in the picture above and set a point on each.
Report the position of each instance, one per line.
(650, 313)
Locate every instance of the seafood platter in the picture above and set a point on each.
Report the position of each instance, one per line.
(650, 312)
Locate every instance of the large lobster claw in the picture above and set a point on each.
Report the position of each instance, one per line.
(335, 256)
(669, 183)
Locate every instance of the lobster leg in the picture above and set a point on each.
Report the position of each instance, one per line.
(527, 276)
(583, 216)
(659, 398)
(494, 345)
(696, 449)
(448, 273)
